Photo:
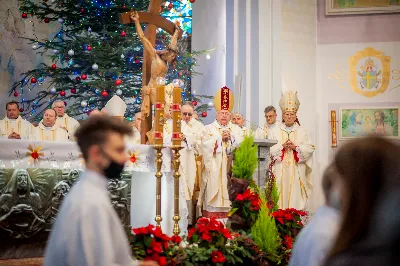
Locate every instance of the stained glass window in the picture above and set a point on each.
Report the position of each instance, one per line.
(180, 13)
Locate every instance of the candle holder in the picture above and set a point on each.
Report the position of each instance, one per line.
(175, 164)
(159, 174)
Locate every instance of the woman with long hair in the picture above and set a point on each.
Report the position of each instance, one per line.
(368, 168)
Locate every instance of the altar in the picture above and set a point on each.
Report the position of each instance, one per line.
(35, 176)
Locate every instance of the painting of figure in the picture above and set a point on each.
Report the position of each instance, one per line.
(345, 7)
(357, 123)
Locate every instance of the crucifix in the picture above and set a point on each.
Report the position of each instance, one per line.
(155, 63)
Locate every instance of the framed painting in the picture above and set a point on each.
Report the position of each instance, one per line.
(360, 122)
(348, 7)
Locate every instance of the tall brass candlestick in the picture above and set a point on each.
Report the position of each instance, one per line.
(158, 140)
(176, 147)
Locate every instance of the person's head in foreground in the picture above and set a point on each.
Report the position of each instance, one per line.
(367, 168)
(101, 141)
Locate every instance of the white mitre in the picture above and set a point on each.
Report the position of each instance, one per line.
(289, 102)
(115, 106)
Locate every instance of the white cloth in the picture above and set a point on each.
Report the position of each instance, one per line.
(19, 125)
(262, 133)
(54, 133)
(69, 123)
(135, 139)
(293, 178)
(214, 181)
(88, 231)
(316, 238)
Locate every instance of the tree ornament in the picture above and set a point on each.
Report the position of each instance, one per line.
(89, 29)
(55, 51)
(89, 48)
(62, 93)
(83, 104)
(65, 103)
(118, 82)
(194, 103)
(53, 90)
(84, 76)
(73, 90)
(123, 33)
(104, 94)
(119, 92)
(88, 112)
(78, 79)
(204, 114)
(137, 61)
(46, 20)
(122, 56)
(53, 66)
(82, 10)
(60, 20)
(192, 1)
(71, 52)
(16, 94)
(95, 66)
(21, 109)
(170, 6)
(33, 80)
(70, 62)
(24, 15)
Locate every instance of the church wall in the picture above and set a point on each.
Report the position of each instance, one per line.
(339, 38)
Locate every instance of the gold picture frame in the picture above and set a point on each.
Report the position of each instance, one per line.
(351, 7)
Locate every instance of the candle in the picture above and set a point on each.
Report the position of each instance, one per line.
(176, 113)
(159, 111)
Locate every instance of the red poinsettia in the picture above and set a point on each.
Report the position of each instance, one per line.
(217, 257)
(288, 241)
(209, 231)
(246, 206)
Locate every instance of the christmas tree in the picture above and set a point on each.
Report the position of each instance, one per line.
(94, 56)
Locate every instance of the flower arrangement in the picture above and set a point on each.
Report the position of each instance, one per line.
(244, 211)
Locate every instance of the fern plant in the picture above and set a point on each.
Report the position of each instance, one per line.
(246, 159)
(265, 232)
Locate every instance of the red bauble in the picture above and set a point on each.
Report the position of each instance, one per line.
(118, 82)
(53, 66)
(62, 93)
(89, 48)
(65, 103)
(46, 20)
(84, 76)
(33, 80)
(170, 6)
(204, 114)
(104, 93)
(73, 90)
(124, 6)
(24, 15)
(137, 61)
(78, 79)
(194, 103)
(192, 1)
(123, 33)
(21, 109)
(16, 94)
(88, 112)
(82, 10)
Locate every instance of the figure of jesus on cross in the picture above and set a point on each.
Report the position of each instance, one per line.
(155, 62)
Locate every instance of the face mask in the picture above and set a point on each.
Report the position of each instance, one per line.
(114, 169)
(335, 199)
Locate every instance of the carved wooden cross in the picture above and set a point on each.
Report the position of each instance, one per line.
(154, 21)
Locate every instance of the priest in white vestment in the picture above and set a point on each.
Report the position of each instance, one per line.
(218, 141)
(88, 231)
(64, 121)
(47, 129)
(270, 123)
(291, 157)
(13, 126)
(116, 107)
(136, 138)
(237, 119)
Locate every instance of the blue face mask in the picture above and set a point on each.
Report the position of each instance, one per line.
(335, 199)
